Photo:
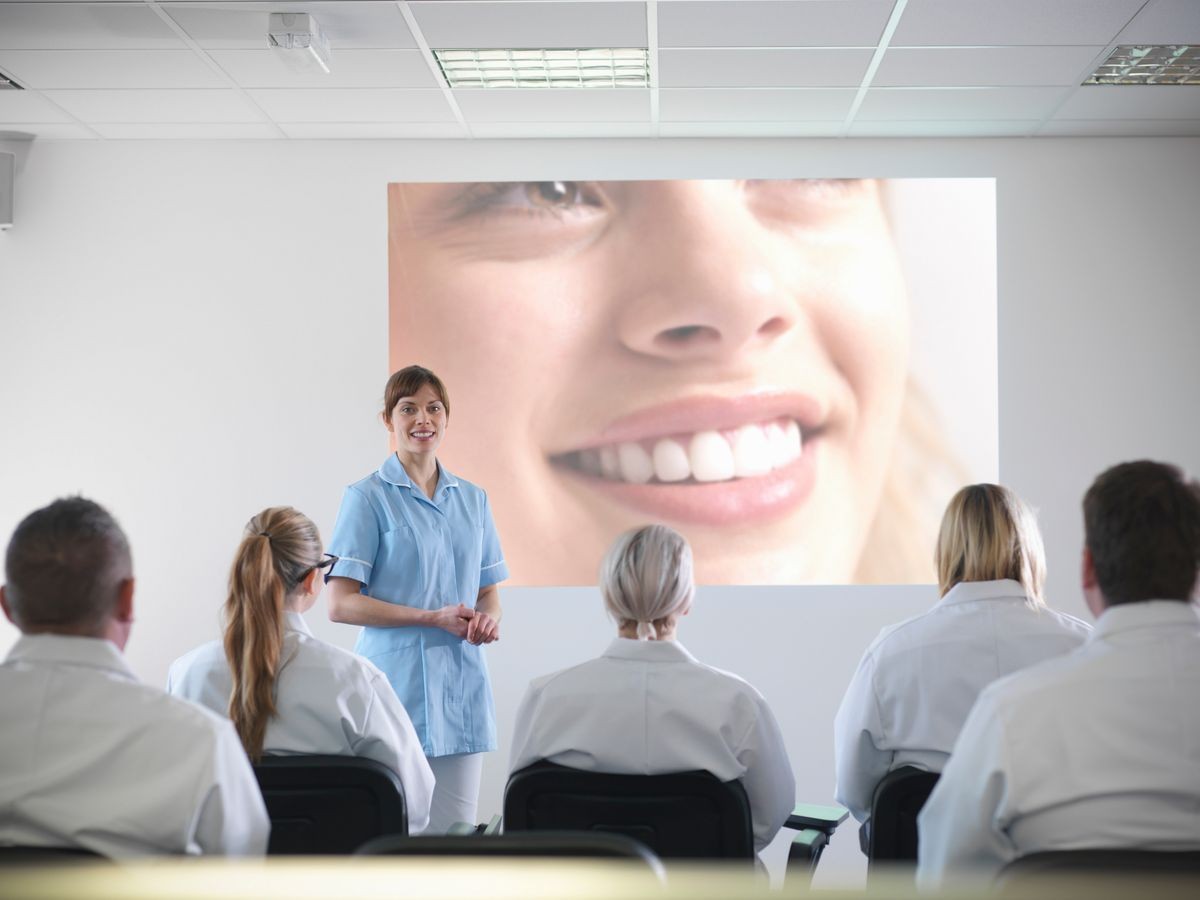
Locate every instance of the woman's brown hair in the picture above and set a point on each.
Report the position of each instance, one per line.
(280, 547)
(407, 382)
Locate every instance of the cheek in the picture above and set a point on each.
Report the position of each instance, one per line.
(861, 313)
(501, 334)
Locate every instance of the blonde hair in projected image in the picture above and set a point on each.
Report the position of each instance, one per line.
(988, 533)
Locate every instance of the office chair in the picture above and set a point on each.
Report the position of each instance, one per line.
(575, 844)
(898, 800)
(329, 804)
(682, 815)
(47, 856)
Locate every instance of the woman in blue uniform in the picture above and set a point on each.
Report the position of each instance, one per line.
(418, 564)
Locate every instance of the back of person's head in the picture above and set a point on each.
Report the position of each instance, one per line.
(64, 567)
(646, 579)
(988, 533)
(281, 546)
(1142, 528)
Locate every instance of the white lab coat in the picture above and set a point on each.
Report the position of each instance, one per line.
(91, 758)
(1100, 748)
(918, 680)
(649, 708)
(327, 700)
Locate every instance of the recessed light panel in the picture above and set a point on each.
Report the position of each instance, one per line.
(1170, 64)
(558, 68)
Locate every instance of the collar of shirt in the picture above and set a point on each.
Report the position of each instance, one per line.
(392, 471)
(294, 621)
(1125, 617)
(648, 651)
(971, 591)
(68, 650)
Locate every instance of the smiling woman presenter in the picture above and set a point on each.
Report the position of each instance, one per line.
(418, 563)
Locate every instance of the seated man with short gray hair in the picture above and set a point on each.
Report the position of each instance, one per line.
(90, 758)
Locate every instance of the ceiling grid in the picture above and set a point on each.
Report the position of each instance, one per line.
(180, 69)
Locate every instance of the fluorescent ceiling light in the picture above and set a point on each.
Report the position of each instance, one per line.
(299, 40)
(1168, 64)
(7, 84)
(550, 68)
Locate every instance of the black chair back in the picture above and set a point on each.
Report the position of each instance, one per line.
(683, 815)
(576, 844)
(329, 804)
(899, 797)
(47, 856)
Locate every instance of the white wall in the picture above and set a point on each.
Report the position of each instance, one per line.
(192, 331)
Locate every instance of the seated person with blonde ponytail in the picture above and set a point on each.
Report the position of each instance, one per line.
(647, 706)
(286, 691)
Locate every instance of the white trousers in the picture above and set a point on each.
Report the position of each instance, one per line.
(456, 791)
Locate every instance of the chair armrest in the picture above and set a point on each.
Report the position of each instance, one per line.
(493, 826)
(462, 828)
(824, 819)
(805, 850)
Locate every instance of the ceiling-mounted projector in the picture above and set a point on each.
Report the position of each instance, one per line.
(299, 41)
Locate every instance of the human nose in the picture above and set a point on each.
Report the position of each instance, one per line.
(714, 284)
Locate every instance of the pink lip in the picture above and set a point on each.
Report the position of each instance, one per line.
(724, 503)
(709, 414)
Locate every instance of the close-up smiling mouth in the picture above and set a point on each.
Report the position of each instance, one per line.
(708, 460)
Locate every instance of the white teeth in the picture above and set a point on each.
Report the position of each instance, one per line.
(747, 452)
(610, 466)
(711, 457)
(751, 452)
(671, 461)
(636, 465)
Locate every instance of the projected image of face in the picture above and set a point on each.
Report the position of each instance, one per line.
(726, 357)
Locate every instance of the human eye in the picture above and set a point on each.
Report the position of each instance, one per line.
(542, 199)
(407, 409)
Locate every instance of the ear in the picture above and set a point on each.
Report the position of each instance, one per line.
(311, 582)
(1088, 575)
(387, 421)
(4, 603)
(123, 611)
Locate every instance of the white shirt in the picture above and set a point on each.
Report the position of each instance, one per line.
(649, 708)
(90, 757)
(918, 680)
(1100, 748)
(327, 700)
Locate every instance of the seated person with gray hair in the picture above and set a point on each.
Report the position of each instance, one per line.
(647, 706)
(90, 758)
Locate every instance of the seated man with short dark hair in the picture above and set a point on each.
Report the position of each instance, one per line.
(1099, 748)
(89, 757)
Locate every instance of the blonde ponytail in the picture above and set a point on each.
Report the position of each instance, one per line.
(280, 547)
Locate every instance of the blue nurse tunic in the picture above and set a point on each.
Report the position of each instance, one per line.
(408, 549)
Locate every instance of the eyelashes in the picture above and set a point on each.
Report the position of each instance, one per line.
(545, 199)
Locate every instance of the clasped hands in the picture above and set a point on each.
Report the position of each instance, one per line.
(473, 625)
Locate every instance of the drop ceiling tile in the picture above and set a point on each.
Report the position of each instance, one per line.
(1001, 23)
(562, 130)
(26, 106)
(350, 69)
(755, 105)
(750, 129)
(772, 23)
(1164, 22)
(243, 26)
(967, 104)
(531, 24)
(1133, 101)
(188, 131)
(553, 105)
(945, 128)
(371, 130)
(45, 131)
(985, 66)
(362, 105)
(84, 26)
(1120, 128)
(156, 106)
(762, 67)
(62, 69)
